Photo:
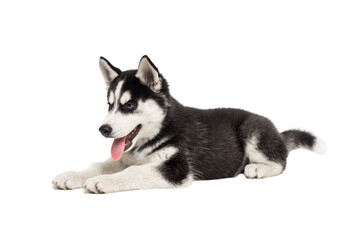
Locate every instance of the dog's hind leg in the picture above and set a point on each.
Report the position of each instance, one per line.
(261, 165)
(264, 148)
(76, 179)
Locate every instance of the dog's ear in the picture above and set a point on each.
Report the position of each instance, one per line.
(149, 75)
(108, 71)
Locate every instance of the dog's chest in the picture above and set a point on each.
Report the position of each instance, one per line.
(137, 157)
(152, 154)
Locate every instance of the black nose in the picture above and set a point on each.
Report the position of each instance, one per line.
(105, 130)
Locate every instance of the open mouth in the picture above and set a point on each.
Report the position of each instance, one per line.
(122, 144)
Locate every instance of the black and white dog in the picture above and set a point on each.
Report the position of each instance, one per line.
(159, 143)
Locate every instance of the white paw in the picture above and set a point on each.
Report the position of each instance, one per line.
(68, 180)
(254, 171)
(100, 184)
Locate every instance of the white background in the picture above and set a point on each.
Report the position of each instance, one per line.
(296, 62)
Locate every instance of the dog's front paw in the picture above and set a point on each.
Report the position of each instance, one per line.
(100, 184)
(68, 180)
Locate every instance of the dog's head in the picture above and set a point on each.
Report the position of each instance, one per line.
(137, 102)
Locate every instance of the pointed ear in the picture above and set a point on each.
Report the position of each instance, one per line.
(149, 75)
(108, 71)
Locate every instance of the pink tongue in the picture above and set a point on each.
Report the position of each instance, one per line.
(117, 148)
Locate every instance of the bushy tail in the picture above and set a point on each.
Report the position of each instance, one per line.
(295, 139)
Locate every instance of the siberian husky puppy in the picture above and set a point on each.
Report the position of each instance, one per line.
(159, 143)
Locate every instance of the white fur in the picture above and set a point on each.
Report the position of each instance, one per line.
(130, 173)
(118, 91)
(258, 170)
(135, 177)
(141, 157)
(260, 166)
(148, 113)
(108, 73)
(73, 180)
(136, 169)
(144, 70)
(252, 151)
(187, 181)
(319, 147)
(126, 96)
(145, 156)
(162, 155)
(111, 97)
(69, 180)
(148, 149)
(152, 115)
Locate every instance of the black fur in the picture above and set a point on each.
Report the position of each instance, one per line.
(296, 138)
(142, 92)
(176, 169)
(211, 143)
(110, 65)
(270, 141)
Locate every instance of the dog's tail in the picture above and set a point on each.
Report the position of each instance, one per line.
(295, 139)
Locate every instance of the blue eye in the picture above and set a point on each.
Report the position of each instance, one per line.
(129, 105)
